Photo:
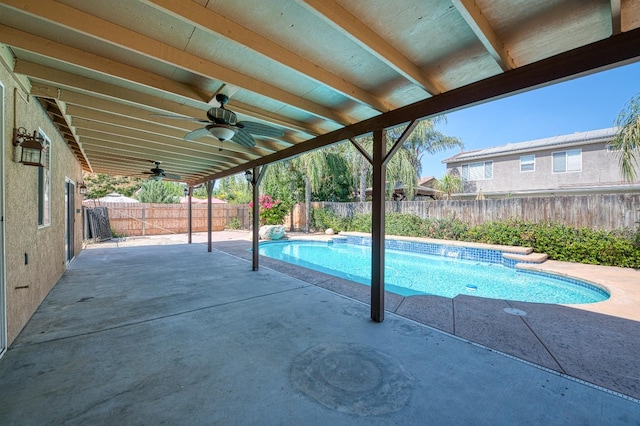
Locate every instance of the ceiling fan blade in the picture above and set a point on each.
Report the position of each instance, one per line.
(198, 133)
(171, 176)
(260, 129)
(244, 138)
(180, 117)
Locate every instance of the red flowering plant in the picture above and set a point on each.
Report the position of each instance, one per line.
(272, 212)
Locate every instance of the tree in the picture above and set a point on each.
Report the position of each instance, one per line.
(99, 185)
(626, 142)
(160, 192)
(425, 139)
(233, 189)
(449, 184)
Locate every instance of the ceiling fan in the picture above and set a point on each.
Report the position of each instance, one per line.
(223, 125)
(158, 174)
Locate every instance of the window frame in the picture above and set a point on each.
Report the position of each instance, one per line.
(486, 165)
(44, 185)
(532, 162)
(566, 161)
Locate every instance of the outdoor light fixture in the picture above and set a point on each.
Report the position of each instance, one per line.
(221, 132)
(82, 188)
(185, 191)
(249, 176)
(32, 146)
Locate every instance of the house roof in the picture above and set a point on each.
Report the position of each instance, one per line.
(320, 71)
(578, 138)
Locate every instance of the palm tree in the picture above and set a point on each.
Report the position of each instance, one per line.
(449, 184)
(627, 139)
(425, 139)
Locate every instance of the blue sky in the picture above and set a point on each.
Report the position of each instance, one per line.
(578, 105)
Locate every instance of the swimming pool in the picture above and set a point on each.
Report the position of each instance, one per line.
(408, 273)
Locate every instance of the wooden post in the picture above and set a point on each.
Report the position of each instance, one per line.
(190, 214)
(377, 227)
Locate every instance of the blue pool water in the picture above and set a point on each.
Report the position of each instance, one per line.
(409, 273)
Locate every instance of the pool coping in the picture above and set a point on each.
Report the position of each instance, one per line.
(623, 284)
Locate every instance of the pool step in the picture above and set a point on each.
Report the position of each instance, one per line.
(529, 258)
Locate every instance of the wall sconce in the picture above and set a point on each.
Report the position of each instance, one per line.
(249, 177)
(82, 188)
(32, 147)
(185, 191)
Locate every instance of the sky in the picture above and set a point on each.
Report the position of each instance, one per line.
(586, 103)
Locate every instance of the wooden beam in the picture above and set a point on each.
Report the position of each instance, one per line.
(212, 22)
(616, 17)
(472, 14)
(340, 18)
(84, 23)
(377, 225)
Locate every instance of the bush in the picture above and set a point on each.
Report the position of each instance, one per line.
(322, 219)
(234, 223)
(407, 225)
(446, 229)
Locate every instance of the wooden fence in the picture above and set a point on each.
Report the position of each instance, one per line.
(135, 219)
(597, 211)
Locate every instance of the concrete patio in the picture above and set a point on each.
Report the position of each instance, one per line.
(169, 333)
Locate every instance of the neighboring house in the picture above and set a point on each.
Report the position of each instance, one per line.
(569, 164)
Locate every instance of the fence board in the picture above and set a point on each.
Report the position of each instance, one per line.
(136, 219)
(597, 211)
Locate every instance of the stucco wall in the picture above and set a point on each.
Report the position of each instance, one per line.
(599, 167)
(28, 284)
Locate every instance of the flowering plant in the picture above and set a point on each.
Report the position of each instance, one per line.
(272, 212)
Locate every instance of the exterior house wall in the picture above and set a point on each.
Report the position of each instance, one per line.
(599, 168)
(28, 284)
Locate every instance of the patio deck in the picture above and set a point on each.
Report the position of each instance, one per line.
(169, 333)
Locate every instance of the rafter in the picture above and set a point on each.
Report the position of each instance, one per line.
(616, 17)
(89, 115)
(71, 95)
(212, 22)
(340, 18)
(100, 29)
(478, 23)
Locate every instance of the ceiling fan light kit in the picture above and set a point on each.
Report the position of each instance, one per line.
(221, 132)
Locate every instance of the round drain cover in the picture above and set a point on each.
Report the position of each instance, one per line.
(514, 311)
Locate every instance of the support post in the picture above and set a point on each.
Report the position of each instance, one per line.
(256, 220)
(209, 186)
(189, 215)
(377, 226)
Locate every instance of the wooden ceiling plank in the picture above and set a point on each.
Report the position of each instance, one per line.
(70, 95)
(341, 19)
(212, 22)
(473, 16)
(123, 147)
(103, 149)
(262, 148)
(115, 35)
(90, 61)
(167, 143)
(83, 117)
(617, 50)
(616, 17)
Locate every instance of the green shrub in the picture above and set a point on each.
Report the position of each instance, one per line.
(445, 229)
(322, 219)
(408, 225)
(234, 223)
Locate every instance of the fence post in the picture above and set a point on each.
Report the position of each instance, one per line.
(143, 221)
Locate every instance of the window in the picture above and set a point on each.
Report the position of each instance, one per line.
(44, 185)
(527, 163)
(477, 171)
(567, 161)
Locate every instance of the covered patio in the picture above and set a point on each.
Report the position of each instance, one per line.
(151, 334)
